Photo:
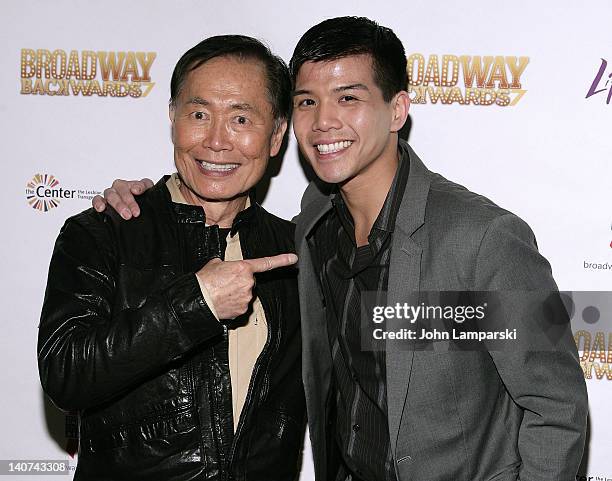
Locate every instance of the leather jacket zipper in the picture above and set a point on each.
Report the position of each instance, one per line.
(263, 356)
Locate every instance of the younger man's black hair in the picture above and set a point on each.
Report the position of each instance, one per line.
(346, 36)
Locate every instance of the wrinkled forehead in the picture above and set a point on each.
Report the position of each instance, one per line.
(246, 73)
(228, 79)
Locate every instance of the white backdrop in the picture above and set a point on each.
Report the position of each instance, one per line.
(547, 157)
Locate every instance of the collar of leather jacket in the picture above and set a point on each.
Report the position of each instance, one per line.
(194, 214)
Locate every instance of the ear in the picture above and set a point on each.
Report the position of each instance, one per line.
(401, 104)
(171, 115)
(277, 138)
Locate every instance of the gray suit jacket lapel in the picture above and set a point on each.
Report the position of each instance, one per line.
(317, 363)
(404, 278)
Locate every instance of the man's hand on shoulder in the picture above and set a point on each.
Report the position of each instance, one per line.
(120, 196)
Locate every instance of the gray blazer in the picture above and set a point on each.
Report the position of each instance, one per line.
(455, 415)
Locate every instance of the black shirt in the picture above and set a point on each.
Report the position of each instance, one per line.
(359, 376)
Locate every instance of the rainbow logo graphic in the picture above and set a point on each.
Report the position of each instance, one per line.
(42, 192)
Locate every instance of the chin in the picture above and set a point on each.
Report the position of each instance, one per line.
(334, 172)
(221, 196)
(209, 194)
(331, 176)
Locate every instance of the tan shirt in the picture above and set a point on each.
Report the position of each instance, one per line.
(245, 342)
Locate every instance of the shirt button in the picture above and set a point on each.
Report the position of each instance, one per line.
(356, 427)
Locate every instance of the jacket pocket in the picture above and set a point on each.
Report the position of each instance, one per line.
(156, 421)
(164, 447)
(274, 448)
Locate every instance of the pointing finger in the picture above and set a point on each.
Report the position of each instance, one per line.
(264, 264)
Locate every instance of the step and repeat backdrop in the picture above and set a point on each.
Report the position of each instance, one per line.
(511, 99)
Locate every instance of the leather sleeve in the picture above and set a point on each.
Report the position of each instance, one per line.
(547, 384)
(89, 352)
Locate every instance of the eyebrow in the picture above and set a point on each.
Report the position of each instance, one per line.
(244, 106)
(341, 88)
(197, 101)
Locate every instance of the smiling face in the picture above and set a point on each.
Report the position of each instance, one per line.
(223, 130)
(343, 125)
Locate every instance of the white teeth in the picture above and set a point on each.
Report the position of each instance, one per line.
(218, 167)
(335, 147)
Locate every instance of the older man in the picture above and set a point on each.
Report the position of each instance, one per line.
(154, 331)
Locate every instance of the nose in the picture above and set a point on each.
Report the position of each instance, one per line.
(326, 117)
(217, 137)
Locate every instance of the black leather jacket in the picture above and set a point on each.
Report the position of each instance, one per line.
(127, 340)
